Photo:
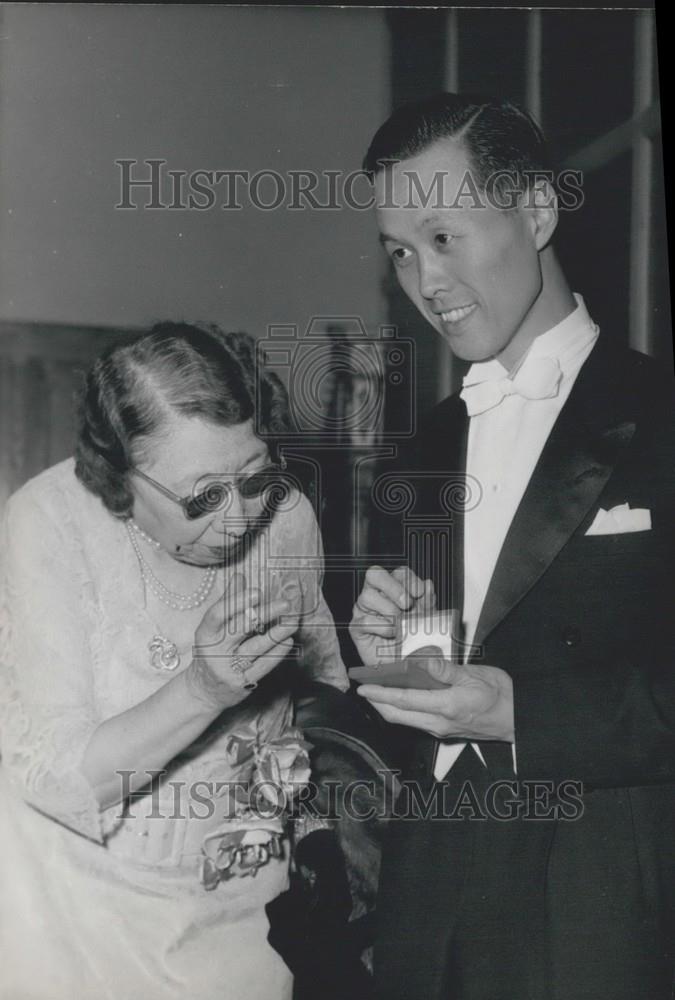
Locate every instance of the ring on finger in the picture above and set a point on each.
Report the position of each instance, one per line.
(240, 664)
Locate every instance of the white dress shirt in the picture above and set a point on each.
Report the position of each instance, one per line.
(504, 446)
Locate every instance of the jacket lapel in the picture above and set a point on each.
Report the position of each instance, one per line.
(576, 462)
(440, 457)
(458, 445)
(449, 426)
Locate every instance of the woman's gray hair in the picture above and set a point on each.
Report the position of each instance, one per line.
(172, 368)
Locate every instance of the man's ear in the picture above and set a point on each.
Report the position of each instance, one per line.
(541, 203)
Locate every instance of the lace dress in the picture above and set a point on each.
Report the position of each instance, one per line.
(110, 904)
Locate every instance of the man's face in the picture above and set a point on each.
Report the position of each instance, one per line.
(473, 270)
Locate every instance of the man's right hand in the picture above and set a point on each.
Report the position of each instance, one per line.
(385, 597)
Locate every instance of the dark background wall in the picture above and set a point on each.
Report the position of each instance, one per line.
(203, 87)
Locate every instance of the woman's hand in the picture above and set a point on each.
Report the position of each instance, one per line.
(147, 735)
(223, 635)
(385, 596)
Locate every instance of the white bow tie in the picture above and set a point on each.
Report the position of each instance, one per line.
(537, 378)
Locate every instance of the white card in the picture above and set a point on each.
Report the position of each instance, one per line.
(418, 630)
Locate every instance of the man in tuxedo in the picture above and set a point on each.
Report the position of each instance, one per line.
(563, 560)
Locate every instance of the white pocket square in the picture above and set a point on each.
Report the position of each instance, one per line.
(620, 520)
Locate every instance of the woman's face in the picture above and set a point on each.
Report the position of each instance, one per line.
(186, 456)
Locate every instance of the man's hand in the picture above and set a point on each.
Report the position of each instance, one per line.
(476, 705)
(377, 612)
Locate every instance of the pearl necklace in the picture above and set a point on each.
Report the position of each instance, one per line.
(179, 602)
(144, 535)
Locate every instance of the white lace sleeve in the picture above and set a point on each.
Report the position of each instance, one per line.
(301, 553)
(47, 711)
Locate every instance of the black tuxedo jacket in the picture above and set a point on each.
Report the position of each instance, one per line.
(574, 905)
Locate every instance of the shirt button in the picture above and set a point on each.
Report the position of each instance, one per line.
(571, 636)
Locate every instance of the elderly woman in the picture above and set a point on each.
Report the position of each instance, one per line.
(151, 590)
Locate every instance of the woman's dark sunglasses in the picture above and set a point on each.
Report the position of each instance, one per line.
(271, 480)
